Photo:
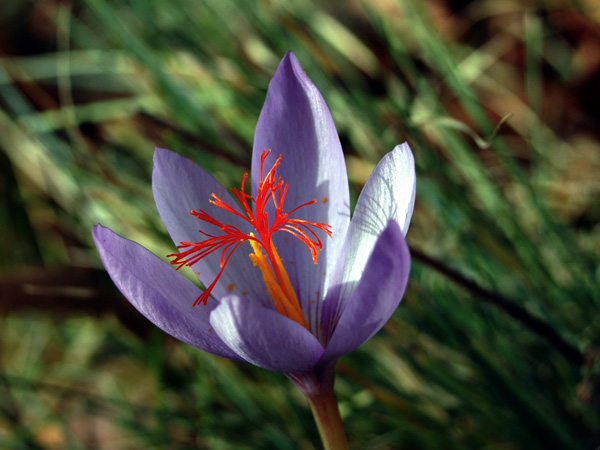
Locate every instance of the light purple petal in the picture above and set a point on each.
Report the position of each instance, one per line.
(179, 186)
(296, 123)
(264, 337)
(376, 296)
(388, 195)
(161, 294)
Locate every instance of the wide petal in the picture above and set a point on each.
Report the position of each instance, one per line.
(376, 295)
(295, 122)
(161, 294)
(264, 337)
(179, 186)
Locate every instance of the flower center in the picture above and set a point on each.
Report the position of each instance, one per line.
(271, 189)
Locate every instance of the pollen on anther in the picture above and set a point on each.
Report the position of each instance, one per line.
(324, 199)
(231, 287)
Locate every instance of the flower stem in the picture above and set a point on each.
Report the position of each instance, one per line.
(327, 416)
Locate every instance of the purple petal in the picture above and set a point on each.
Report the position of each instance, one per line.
(156, 290)
(388, 195)
(296, 123)
(264, 337)
(376, 296)
(179, 186)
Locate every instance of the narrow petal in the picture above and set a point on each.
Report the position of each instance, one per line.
(295, 122)
(388, 195)
(376, 296)
(264, 337)
(159, 292)
(180, 186)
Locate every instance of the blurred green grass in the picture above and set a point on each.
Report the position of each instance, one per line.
(494, 346)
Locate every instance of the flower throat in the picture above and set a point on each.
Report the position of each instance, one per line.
(265, 257)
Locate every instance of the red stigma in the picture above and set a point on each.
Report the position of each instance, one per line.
(270, 189)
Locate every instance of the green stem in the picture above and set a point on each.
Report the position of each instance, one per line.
(327, 416)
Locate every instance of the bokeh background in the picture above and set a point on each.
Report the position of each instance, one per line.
(496, 344)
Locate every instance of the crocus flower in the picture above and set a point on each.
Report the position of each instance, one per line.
(317, 283)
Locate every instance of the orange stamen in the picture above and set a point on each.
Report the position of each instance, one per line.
(270, 188)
